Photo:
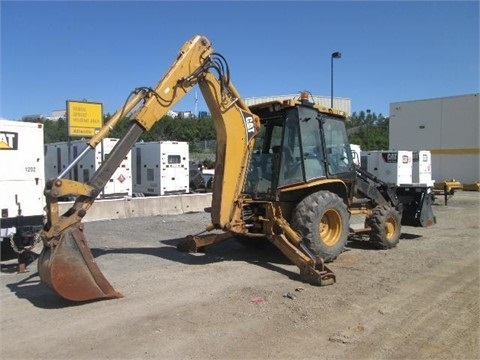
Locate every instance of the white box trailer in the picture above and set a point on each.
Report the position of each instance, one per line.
(392, 167)
(59, 155)
(22, 182)
(160, 168)
(422, 168)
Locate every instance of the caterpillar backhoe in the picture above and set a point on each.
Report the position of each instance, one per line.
(284, 174)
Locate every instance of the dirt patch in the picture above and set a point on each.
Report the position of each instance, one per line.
(418, 300)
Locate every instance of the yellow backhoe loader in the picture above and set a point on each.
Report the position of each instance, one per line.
(284, 173)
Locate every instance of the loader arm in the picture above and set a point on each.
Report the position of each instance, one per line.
(66, 263)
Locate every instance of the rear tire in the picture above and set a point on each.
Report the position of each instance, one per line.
(322, 219)
(385, 223)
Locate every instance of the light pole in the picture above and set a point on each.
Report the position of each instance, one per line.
(335, 55)
(367, 121)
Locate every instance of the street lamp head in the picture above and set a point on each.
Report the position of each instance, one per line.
(335, 55)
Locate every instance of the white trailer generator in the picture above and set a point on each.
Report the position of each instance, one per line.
(59, 155)
(160, 168)
(395, 169)
(422, 168)
(392, 167)
(356, 154)
(22, 182)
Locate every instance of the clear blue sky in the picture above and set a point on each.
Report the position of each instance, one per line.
(391, 51)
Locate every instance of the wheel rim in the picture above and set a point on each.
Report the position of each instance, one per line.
(390, 228)
(330, 227)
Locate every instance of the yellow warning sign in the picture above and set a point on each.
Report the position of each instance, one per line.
(85, 119)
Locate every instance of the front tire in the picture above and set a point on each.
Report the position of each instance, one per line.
(322, 220)
(385, 223)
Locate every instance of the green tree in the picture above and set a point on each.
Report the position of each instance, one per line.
(170, 129)
(368, 130)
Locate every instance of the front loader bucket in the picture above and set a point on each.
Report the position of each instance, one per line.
(417, 205)
(70, 270)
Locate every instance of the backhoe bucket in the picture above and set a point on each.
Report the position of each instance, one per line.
(70, 270)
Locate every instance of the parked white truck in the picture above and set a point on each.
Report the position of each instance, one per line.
(22, 181)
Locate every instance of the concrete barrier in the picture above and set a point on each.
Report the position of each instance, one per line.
(109, 209)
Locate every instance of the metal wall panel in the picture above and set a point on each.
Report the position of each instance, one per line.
(448, 127)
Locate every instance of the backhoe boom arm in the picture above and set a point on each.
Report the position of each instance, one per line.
(66, 264)
(193, 66)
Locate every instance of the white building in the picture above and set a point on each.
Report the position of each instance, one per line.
(448, 127)
(57, 114)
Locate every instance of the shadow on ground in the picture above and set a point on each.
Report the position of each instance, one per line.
(30, 287)
(268, 257)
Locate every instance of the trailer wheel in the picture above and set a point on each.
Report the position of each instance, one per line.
(322, 220)
(385, 223)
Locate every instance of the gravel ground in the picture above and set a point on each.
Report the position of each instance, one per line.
(417, 301)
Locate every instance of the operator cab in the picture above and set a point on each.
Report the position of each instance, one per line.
(299, 143)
